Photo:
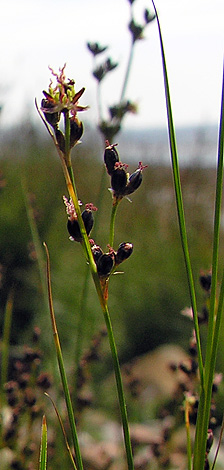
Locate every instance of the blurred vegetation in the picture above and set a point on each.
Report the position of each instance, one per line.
(147, 299)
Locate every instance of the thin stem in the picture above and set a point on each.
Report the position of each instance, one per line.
(120, 390)
(100, 199)
(218, 445)
(217, 219)
(214, 322)
(127, 73)
(63, 432)
(67, 138)
(43, 447)
(187, 424)
(112, 222)
(62, 369)
(99, 104)
(179, 202)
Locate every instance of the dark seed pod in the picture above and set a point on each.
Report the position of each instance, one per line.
(52, 118)
(97, 252)
(123, 252)
(74, 230)
(87, 217)
(76, 131)
(73, 225)
(60, 139)
(105, 264)
(134, 181)
(119, 180)
(110, 158)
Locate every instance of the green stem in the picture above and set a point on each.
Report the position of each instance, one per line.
(43, 447)
(67, 139)
(63, 432)
(187, 425)
(120, 390)
(62, 370)
(122, 404)
(217, 219)
(112, 221)
(214, 321)
(179, 202)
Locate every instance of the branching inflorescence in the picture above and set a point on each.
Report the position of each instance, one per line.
(61, 100)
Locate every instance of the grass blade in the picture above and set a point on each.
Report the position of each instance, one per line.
(43, 446)
(62, 370)
(179, 200)
(214, 317)
(63, 432)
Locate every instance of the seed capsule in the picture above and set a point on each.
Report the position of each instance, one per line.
(74, 230)
(105, 264)
(97, 252)
(123, 252)
(60, 139)
(110, 158)
(52, 118)
(119, 180)
(76, 131)
(73, 225)
(134, 181)
(87, 217)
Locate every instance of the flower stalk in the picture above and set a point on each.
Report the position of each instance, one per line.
(63, 146)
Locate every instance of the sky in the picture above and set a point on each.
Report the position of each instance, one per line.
(35, 34)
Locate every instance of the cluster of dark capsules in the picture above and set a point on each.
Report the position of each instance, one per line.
(122, 184)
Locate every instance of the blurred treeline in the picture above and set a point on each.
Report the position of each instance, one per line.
(145, 302)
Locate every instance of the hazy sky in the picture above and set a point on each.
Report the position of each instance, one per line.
(38, 33)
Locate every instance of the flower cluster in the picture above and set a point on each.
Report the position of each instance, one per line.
(106, 262)
(62, 99)
(73, 225)
(107, 66)
(122, 184)
(136, 29)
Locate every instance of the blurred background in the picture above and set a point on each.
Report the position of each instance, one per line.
(146, 300)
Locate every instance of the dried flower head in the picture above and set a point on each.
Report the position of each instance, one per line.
(61, 97)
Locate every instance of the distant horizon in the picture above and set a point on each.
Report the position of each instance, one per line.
(197, 144)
